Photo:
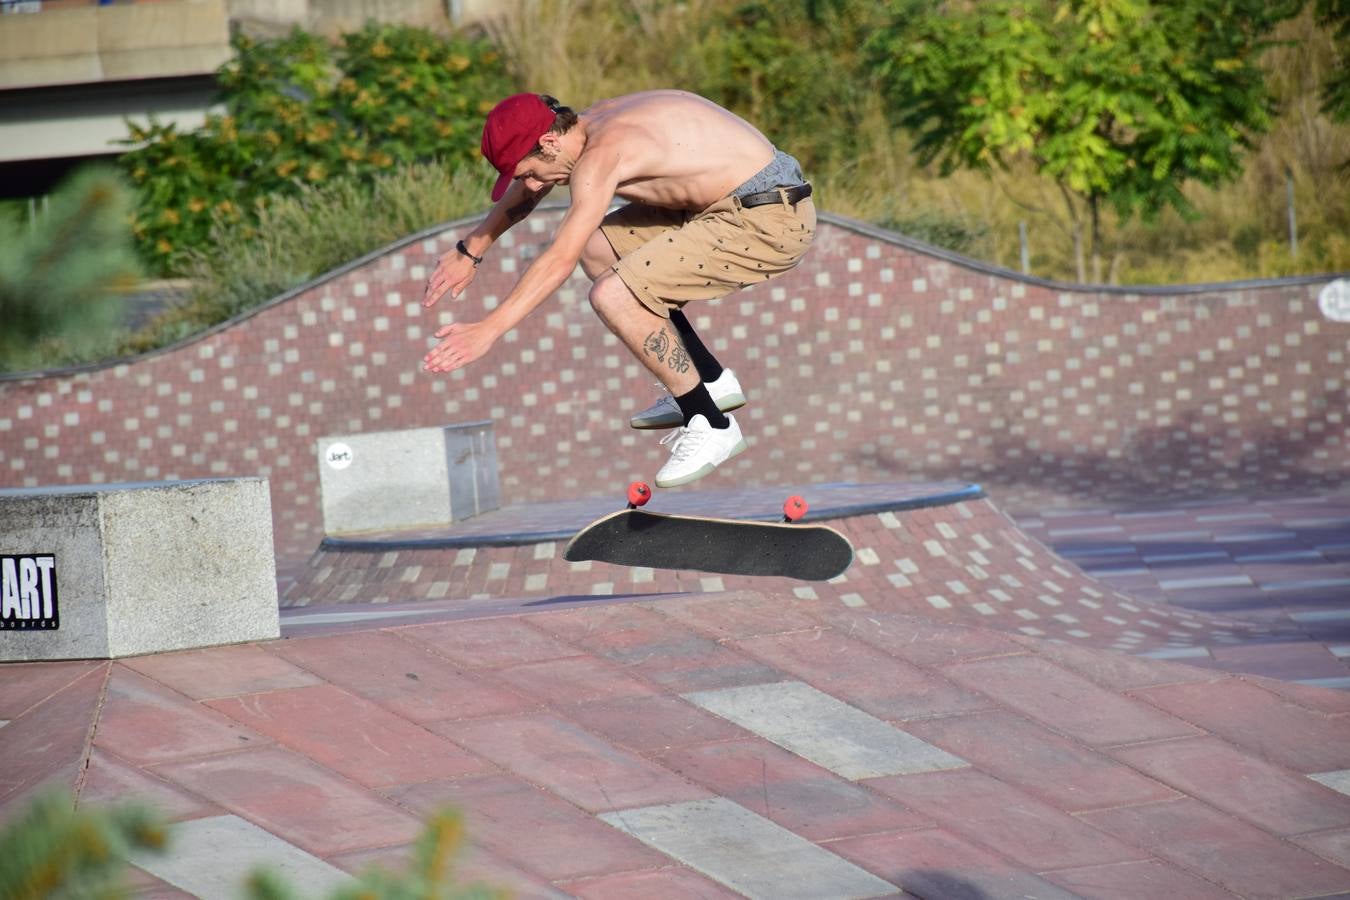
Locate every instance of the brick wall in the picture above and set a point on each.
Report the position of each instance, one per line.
(875, 360)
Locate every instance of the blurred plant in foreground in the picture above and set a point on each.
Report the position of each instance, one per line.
(62, 275)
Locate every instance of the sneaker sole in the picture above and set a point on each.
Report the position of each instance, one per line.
(705, 470)
(729, 403)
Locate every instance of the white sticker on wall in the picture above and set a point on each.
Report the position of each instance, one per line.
(339, 456)
(1335, 300)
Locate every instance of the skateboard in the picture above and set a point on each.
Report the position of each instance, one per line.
(635, 537)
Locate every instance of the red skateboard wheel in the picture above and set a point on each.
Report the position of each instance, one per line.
(638, 494)
(794, 508)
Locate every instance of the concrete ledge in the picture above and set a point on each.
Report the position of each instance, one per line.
(106, 571)
(414, 478)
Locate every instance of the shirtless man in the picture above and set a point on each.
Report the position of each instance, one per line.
(713, 207)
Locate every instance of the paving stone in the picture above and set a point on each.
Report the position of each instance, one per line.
(647, 724)
(788, 790)
(287, 794)
(1226, 778)
(740, 614)
(978, 807)
(1226, 851)
(109, 780)
(1116, 671)
(571, 762)
(1330, 845)
(46, 744)
(828, 732)
(212, 857)
(24, 685)
(221, 671)
(674, 883)
(1150, 878)
(839, 665)
(922, 642)
(1066, 702)
(144, 886)
(1337, 781)
(746, 852)
(577, 680)
(486, 643)
(936, 863)
(675, 657)
(592, 626)
(1285, 660)
(350, 735)
(404, 676)
(473, 866)
(144, 723)
(1061, 772)
(561, 841)
(1288, 735)
(1306, 696)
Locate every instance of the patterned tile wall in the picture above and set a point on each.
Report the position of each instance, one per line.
(872, 361)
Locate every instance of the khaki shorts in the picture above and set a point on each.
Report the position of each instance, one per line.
(668, 257)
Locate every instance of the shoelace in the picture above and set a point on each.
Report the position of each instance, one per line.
(682, 449)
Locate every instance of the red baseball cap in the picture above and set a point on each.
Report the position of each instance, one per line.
(512, 130)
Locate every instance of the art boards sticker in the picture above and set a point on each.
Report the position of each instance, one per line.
(28, 600)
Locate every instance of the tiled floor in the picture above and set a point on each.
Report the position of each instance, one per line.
(742, 744)
(1284, 562)
(611, 739)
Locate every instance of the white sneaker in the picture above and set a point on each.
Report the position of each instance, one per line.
(698, 449)
(665, 413)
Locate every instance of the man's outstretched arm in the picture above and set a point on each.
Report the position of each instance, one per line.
(454, 270)
(464, 342)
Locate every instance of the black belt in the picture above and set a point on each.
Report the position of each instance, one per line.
(794, 195)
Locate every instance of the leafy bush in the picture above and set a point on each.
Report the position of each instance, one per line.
(51, 850)
(61, 276)
(963, 234)
(301, 113)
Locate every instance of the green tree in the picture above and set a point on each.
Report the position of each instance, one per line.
(62, 275)
(1119, 102)
(795, 69)
(300, 112)
(1335, 15)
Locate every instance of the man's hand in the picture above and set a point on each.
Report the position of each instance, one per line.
(463, 342)
(453, 272)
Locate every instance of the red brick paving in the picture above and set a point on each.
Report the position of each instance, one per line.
(1091, 773)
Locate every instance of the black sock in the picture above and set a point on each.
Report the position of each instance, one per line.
(709, 369)
(700, 402)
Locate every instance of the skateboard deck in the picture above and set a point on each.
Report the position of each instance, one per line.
(635, 537)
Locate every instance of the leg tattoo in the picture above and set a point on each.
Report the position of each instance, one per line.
(657, 344)
(665, 346)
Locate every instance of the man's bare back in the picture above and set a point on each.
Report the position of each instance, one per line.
(674, 149)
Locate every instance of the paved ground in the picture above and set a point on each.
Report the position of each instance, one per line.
(1278, 561)
(823, 742)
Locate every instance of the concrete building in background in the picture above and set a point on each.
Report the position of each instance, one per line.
(73, 71)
